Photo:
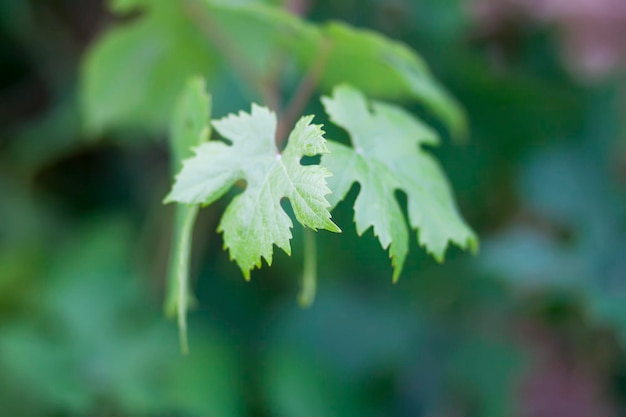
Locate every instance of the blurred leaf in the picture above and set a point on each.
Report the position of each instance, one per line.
(386, 69)
(91, 339)
(378, 66)
(256, 35)
(190, 124)
(252, 36)
(133, 73)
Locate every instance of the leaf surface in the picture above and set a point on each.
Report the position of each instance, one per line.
(255, 221)
(133, 74)
(387, 156)
(383, 68)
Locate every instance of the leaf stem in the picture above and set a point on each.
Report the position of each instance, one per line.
(309, 273)
(181, 141)
(182, 273)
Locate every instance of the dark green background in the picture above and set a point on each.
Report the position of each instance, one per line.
(537, 319)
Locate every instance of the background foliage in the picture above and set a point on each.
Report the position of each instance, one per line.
(535, 325)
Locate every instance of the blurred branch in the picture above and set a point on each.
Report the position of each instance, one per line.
(304, 92)
(237, 60)
(266, 86)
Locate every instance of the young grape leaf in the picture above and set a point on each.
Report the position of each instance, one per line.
(190, 127)
(387, 156)
(255, 220)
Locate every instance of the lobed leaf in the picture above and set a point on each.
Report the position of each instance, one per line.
(386, 156)
(255, 221)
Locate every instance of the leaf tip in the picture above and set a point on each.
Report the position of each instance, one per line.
(332, 227)
(473, 244)
(246, 274)
(167, 199)
(438, 253)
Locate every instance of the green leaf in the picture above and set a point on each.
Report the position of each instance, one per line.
(109, 338)
(255, 220)
(133, 74)
(388, 156)
(190, 124)
(381, 68)
(175, 39)
(190, 127)
(256, 35)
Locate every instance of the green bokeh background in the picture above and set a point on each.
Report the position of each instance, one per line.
(533, 326)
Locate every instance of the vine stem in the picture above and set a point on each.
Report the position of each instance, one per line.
(309, 273)
(182, 275)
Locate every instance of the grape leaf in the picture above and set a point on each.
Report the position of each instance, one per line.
(190, 127)
(387, 156)
(254, 221)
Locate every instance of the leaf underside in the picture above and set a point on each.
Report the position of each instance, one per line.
(387, 155)
(255, 221)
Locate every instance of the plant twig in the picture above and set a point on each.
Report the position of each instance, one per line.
(182, 275)
(309, 272)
